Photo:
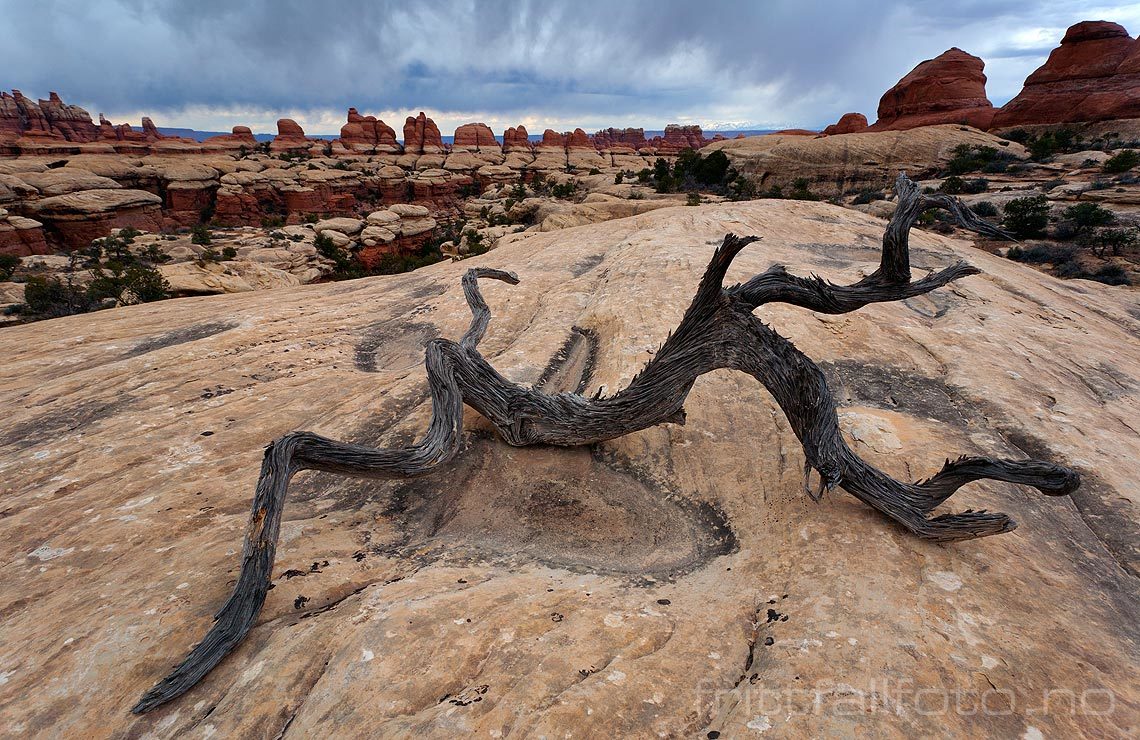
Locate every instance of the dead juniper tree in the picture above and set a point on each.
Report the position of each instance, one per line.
(717, 331)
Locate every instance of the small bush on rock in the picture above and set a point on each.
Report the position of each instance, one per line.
(1027, 217)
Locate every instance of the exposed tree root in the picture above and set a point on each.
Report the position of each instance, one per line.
(717, 331)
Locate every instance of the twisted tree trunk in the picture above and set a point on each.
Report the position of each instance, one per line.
(717, 331)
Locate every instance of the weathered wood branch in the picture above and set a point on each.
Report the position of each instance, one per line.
(717, 331)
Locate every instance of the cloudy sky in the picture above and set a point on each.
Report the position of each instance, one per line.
(210, 64)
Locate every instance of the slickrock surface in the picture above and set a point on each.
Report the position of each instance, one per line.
(674, 582)
(836, 164)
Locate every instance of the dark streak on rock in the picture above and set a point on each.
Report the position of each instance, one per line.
(61, 421)
(180, 336)
(584, 265)
(393, 345)
(572, 366)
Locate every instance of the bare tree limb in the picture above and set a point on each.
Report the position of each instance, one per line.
(717, 331)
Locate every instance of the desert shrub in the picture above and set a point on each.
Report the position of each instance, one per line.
(1044, 145)
(594, 171)
(154, 255)
(741, 188)
(1122, 162)
(801, 191)
(229, 253)
(272, 222)
(476, 243)
(663, 181)
(564, 190)
(967, 158)
(644, 175)
(955, 185)
(863, 197)
(133, 283)
(1102, 241)
(692, 172)
(1111, 275)
(693, 199)
(327, 249)
(1088, 215)
(311, 218)
(952, 185)
(712, 170)
(394, 264)
(51, 296)
(118, 276)
(8, 265)
(1064, 231)
(469, 190)
(1026, 217)
(1107, 274)
(209, 254)
(1041, 253)
(985, 209)
(618, 178)
(200, 234)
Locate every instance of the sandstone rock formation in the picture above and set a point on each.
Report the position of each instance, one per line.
(849, 123)
(611, 138)
(290, 137)
(51, 118)
(678, 138)
(76, 218)
(369, 134)
(578, 139)
(29, 126)
(421, 136)
(150, 131)
(951, 88)
(516, 139)
(837, 164)
(25, 116)
(1094, 75)
(676, 581)
(21, 236)
(241, 136)
(475, 137)
(70, 121)
(551, 139)
(287, 128)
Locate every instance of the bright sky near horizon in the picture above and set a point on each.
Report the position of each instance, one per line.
(212, 64)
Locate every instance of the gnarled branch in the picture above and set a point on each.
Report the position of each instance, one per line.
(717, 331)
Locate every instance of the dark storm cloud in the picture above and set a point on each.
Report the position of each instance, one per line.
(786, 61)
